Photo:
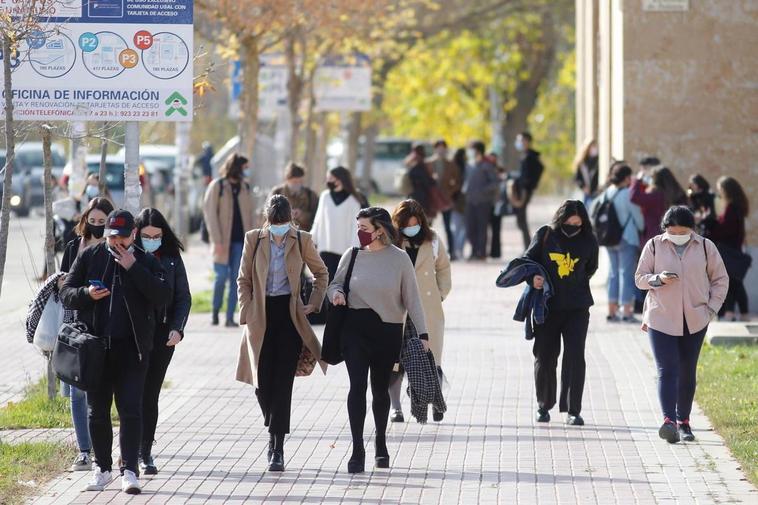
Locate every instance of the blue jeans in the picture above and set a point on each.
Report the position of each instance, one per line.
(79, 416)
(676, 359)
(621, 287)
(229, 272)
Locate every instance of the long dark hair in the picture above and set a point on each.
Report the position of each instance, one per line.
(98, 203)
(572, 208)
(380, 218)
(701, 182)
(343, 175)
(403, 213)
(664, 180)
(733, 193)
(233, 167)
(170, 244)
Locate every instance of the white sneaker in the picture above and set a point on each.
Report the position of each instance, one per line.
(129, 483)
(99, 480)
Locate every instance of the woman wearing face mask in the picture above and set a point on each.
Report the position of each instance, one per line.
(568, 251)
(278, 337)
(432, 266)
(89, 232)
(92, 189)
(687, 283)
(586, 172)
(334, 228)
(156, 237)
(383, 289)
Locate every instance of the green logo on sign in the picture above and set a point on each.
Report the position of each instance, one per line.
(176, 103)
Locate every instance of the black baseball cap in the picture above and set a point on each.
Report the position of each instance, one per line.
(120, 223)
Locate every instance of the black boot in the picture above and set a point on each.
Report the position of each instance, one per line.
(276, 463)
(146, 464)
(271, 445)
(357, 462)
(382, 459)
(214, 321)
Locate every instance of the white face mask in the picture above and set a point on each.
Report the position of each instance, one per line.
(679, 239)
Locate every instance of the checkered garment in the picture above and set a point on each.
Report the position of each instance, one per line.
(423, 380)
(37, 305)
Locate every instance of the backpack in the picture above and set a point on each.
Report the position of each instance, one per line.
(606, 224)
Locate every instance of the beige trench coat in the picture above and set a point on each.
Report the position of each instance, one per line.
(434, 284)
(218, 214)
(251, 288)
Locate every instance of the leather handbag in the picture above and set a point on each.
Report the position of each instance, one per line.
(331, 349)
(78, 357)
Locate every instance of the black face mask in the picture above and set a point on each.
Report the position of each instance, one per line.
(96, 231)
(331, 185)
(570, 230)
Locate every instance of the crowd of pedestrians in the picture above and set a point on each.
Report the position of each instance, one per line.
(680, 253)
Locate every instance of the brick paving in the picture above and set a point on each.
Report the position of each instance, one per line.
(212, 444)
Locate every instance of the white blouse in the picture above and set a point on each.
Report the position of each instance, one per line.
(335, 229)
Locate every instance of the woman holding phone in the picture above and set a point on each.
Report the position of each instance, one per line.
(687, 283)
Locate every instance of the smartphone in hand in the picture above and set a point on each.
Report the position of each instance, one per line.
(98, 284)
(670, 274)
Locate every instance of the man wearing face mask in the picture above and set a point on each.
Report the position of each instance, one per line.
(304, 200)
(116, 289)
(529, 174)
(480, 189)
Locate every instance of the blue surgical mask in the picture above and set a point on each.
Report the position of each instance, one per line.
(279, 230)
(151, 244)
(247, 173)
(519, 145)
(92, 192)
(411, 231)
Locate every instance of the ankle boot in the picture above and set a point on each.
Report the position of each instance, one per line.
(357, 462)
(271, 445)
(382, 459)
(276, 463)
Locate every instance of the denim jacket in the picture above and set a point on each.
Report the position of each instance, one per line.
(532, 306)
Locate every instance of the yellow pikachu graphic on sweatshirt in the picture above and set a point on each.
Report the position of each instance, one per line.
(565, 263)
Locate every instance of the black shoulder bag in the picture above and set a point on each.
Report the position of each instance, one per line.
(78, 357)
(331, 348)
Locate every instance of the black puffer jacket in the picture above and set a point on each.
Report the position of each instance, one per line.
(144, 286)
(174, 315)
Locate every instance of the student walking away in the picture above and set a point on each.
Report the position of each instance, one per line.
(529, 175)
(334, 227)
(686, 282)
(421, 179)
(729, 235)
(500, 209)
(568, 251)
(702, 203)
(458, 213)
(586, 171)
(155, 237)
(278, 341)
(304, 200)
(617, 223)
(432, 266)
(373, 329)
(228, 214)
(89, 232)
(480, 189)
(204, 162)
(450, 180)
(654, 190)
(116, 290)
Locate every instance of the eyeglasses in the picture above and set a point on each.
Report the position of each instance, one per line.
(148, 237)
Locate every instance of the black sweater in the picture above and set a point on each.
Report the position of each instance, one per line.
(570, 263)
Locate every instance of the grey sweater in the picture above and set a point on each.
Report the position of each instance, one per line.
(383, 281)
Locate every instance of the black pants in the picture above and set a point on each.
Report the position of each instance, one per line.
(572, 326)
(447, 219)
(521, 221)
(495, 224)
(736, 296)
(477, 221)
(369, 345)
(160, 357)
(277, 365)
(124, 378)
(331, 261)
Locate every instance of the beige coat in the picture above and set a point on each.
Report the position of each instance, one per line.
(252, 296)
(434, 283)
(218, 214)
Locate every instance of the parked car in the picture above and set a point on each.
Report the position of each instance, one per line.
(387, 166)
(28, 171)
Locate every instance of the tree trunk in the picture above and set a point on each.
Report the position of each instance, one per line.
(248, 127)
(10, 154)
(132, 188)
(102, 184)
(295, 87)
(373, 129)
(525, 96)
(311, 138)
(353, 140)
(319, 164)
(47, 181)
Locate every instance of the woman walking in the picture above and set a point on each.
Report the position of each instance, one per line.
(421, 179)
(686, 282)
(702, 203)
(432, 266)
(334, 228)
(373, 330)
(623, 257)
(156, 237)
(729, 233)
(654, 194)
(278, 340)
(89, 232)
(568, 251)
(586, 171)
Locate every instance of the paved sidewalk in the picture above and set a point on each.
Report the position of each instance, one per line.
(212, 443)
